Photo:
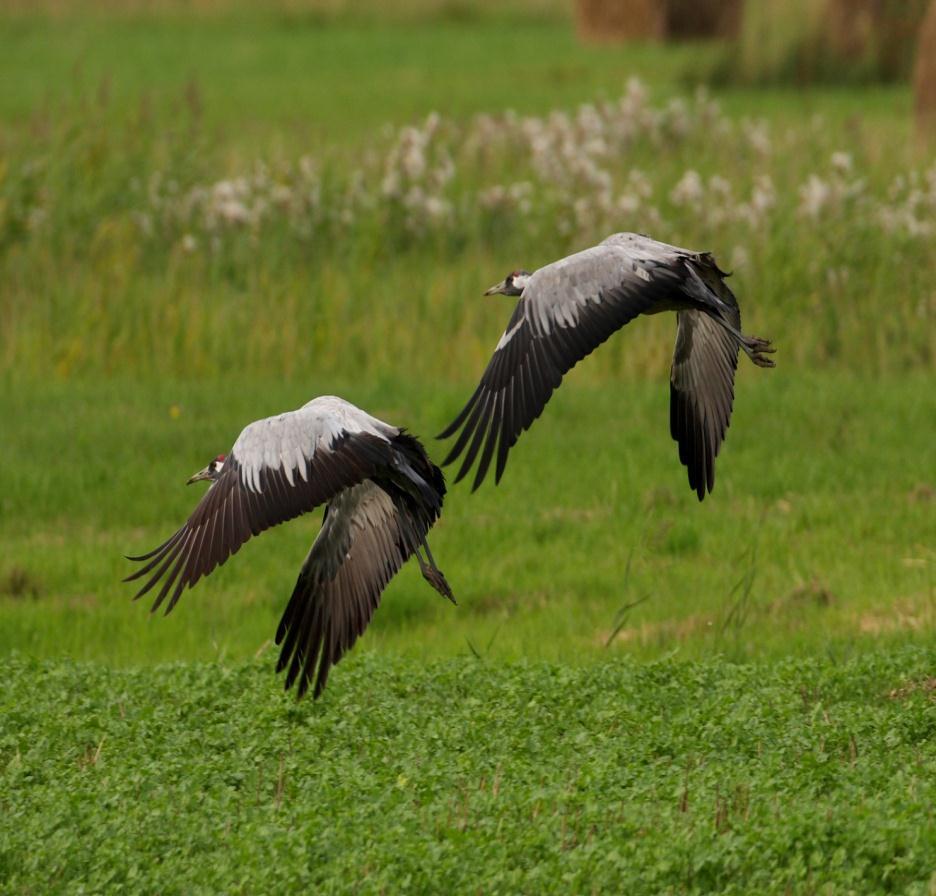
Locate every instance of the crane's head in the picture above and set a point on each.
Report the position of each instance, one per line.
(212, 471)
(511, 285)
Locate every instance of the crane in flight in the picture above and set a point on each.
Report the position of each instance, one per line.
(381, 493)
(568, 308)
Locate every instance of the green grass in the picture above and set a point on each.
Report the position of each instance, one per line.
(265, 80)
(799, 777)
(274, 82)
(821, 526)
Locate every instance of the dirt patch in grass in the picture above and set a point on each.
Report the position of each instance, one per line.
(19, 583)
(906, 614)
(924, 685)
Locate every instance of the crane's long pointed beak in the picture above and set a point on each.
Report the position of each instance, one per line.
(201, 474)
(496, 288)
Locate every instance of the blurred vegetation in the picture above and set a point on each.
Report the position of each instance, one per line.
(300, 12)
(126, 244)
(830, 41)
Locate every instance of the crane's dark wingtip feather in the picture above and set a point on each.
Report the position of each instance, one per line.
(452, 456)
(452, 428)
(480, 475)
(145, 556)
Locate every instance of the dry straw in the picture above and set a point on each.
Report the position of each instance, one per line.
(620, 20)
(623, 20)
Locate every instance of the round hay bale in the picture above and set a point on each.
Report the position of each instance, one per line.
(924, 78)
(604, 21)
(703, 18)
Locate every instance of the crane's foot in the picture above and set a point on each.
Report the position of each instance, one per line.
(433, 575)
(756, 349)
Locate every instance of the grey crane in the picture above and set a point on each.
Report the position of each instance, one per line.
(568, 308)
(381, 492)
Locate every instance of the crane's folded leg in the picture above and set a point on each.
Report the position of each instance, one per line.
(753, 346)
(432, 574)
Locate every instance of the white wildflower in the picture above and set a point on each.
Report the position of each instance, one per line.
(232, 211)
(719, 186)
(628, 204)
(842, 162)
(764, 195)
(413, 161)
(739, 259)
(689, 190)
(390, 185)
(436, 208)
(640, 184)
(815, 195)
(757, 134)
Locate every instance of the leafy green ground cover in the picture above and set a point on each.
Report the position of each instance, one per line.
(808, 776)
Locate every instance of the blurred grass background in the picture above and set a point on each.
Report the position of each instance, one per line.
(135, 340)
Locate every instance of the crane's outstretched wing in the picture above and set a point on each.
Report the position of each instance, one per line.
(278, 468)
(567, 310)
(702, 390)
(366, 538)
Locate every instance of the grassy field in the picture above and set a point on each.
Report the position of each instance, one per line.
(815, 532)
(813, 776)
(207, 219)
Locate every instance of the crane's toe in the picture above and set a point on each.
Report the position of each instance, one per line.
(755, 348)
